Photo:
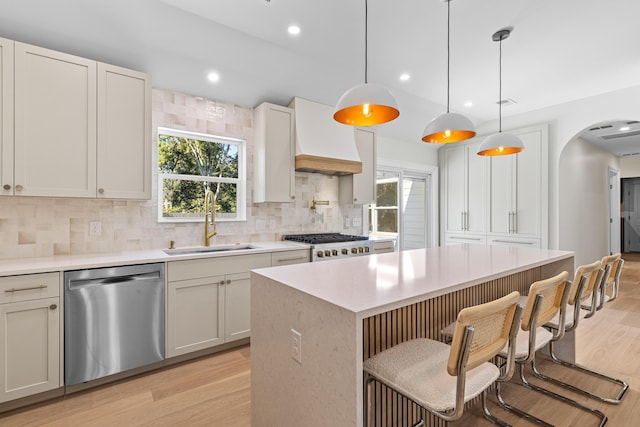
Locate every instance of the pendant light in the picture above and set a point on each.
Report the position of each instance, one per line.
(366, 104)
(500, 144)
(448, 127)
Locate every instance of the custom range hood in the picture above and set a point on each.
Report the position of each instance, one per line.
(322, 144)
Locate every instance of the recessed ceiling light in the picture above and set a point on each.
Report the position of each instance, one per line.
(294, 30)
(468, 104)
(624, 128)
(404, 77)
(213, 77)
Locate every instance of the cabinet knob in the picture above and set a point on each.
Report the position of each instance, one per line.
(6, 187)
(18, 187)
(355, 200)
(53, 307)
(228, 281)
(101, 190)
(221, 282)
(293, 197)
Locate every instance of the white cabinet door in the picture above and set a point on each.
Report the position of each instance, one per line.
(476, 181)
(124, 140)
(455, 172)
(274, 154)
(360, 188)
(55, 123)
(6, 116)
(464, 185)
(518, 189)
(501, 191)
(237, 308)
(195, 315)
(528, 207)
(29, 347)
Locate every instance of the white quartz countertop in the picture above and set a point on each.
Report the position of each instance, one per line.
(374, 283)
(76, 262)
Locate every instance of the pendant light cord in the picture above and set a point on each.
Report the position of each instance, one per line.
(448, 49)
(500, 89)
(366, 40)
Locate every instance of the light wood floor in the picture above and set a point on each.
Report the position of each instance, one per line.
(215, 391)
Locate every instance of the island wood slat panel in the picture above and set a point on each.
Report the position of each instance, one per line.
(426, 319)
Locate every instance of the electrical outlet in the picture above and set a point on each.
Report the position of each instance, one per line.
(296, 346)
(95, 228)
(347, 222)
(357, 222)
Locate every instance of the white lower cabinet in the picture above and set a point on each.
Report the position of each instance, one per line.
(29, 335)
(195, 311)
(208, 301)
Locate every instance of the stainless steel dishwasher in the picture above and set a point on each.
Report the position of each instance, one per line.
(113, 320)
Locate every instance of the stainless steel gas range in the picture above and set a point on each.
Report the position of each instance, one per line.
(327, 246)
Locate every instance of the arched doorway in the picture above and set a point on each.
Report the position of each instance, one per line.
(589, 188)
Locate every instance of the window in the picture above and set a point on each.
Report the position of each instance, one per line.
(384, 214)
(189, 164)
(403, 207)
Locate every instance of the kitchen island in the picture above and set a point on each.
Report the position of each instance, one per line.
(345, 311)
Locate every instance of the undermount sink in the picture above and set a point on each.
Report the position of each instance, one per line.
(211, 249)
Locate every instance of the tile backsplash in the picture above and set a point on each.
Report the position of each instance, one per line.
(44, 227)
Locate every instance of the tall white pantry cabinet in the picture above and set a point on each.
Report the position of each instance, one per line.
(500, 200)
(82, 128)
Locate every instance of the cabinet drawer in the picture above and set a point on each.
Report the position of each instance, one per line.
(514, 241)
(383, 247)
(453, 239)
(290, 257)
(29, 287)
(206, 267)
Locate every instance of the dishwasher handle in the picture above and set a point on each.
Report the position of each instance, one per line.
(113, 280)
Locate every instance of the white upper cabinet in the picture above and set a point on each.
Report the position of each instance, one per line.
(464, 199)
(360, 188)
(6, 116)
(274, 154)
(55, 123)
(518, 191)
(72, 127)
(124, 140)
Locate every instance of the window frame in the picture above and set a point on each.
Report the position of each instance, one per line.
(240, 181)
(432, 213)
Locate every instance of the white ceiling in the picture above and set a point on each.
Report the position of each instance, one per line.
(559, 50)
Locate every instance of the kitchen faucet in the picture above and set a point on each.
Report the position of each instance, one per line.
(209, 216)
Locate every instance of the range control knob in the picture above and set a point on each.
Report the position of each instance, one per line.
(334, 252)
(327, 253)
(320, 254)
(345, 251)
(366, 249)
(360, 250)
(354, 250)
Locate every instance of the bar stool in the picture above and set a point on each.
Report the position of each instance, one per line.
(613, 279)
(547, 298)
(441, 378)
(585, 283)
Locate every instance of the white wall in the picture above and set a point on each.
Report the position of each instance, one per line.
(566, 121)
(406, 151)
(630, 167)
(584, 195)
